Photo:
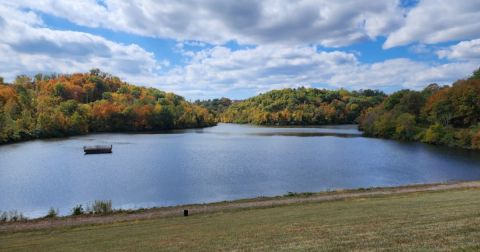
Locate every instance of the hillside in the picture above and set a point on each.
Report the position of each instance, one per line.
(448, 115)
(215, 106)
(62, 105)
(80, 103)
(302, 106)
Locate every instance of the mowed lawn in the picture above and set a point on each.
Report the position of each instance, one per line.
(444, 220)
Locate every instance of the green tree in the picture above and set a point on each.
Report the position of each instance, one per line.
(405, 126)
(68, 107)
(59, 90)
(475, 75)
(22, 80)
(433, 134)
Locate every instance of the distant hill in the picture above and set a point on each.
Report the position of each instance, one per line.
(215, 106)
(62, 105)
(444, 115)
(302, 106)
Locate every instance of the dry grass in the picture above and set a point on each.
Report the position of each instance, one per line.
(444, 220)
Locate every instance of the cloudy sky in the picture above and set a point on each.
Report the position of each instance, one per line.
(238, 48)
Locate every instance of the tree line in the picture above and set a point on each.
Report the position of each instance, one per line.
(62, 105)
(443, 115)
(302, 106)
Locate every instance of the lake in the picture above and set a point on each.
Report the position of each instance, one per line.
(225, 162)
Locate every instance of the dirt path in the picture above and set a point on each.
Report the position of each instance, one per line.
(224, 206)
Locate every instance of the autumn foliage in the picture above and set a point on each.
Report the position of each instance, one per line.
(62, 105)
(302, 106)
(448, 115)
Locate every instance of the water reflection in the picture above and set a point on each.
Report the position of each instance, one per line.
(213, 164)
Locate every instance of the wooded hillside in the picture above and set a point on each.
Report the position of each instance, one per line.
(445, 115)
(62, 105)
(302, 106)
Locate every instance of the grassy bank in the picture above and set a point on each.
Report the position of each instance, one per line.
(439, 220)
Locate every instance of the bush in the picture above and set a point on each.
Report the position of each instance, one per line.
(101, 207)
(434, 134)
(12, 216)
(463, 138)
(294, 194)
(78, 210)
(52, 213)
(405, 127)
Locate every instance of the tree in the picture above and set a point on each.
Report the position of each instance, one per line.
(68, 107)
(394, 99)
(22, 80)
(300, 106)
(95, 72)
(476, 140)
(475, 75)
(411, 102)
(3, 124)
(59, 105)
(405, 127)
(59, 90)
(38, 77)
(434, 134)
(78, 124)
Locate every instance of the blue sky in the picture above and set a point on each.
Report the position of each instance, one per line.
(213, 48)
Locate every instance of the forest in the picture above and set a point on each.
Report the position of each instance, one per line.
(215, 106)
(442, 115)
(62, 105)
(303, 106)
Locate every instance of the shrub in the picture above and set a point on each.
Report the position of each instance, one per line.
(434, 134)
(101, 207)
(52, 213)
(294, 194)
(12, 216)
(405, 127)
(463, 138)
(78, 210)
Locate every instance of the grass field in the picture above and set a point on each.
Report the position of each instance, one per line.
(442, 220)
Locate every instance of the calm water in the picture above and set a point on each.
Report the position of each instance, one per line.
(214, 164)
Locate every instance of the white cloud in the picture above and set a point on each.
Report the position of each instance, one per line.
(434, 21)
(330, 23)
(27, 47)
(465, 50)
(281, 57)
(219, 71)
(420, 49)
(403, 73)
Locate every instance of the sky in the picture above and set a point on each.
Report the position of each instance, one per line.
(240, 48)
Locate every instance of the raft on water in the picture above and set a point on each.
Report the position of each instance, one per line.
(97, 149)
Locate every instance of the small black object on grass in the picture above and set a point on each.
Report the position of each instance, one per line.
(185, 212)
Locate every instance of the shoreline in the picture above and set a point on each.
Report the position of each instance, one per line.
(132, 132)
(172, 131)
(236, 205)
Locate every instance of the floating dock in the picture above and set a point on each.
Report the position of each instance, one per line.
(97, 149)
